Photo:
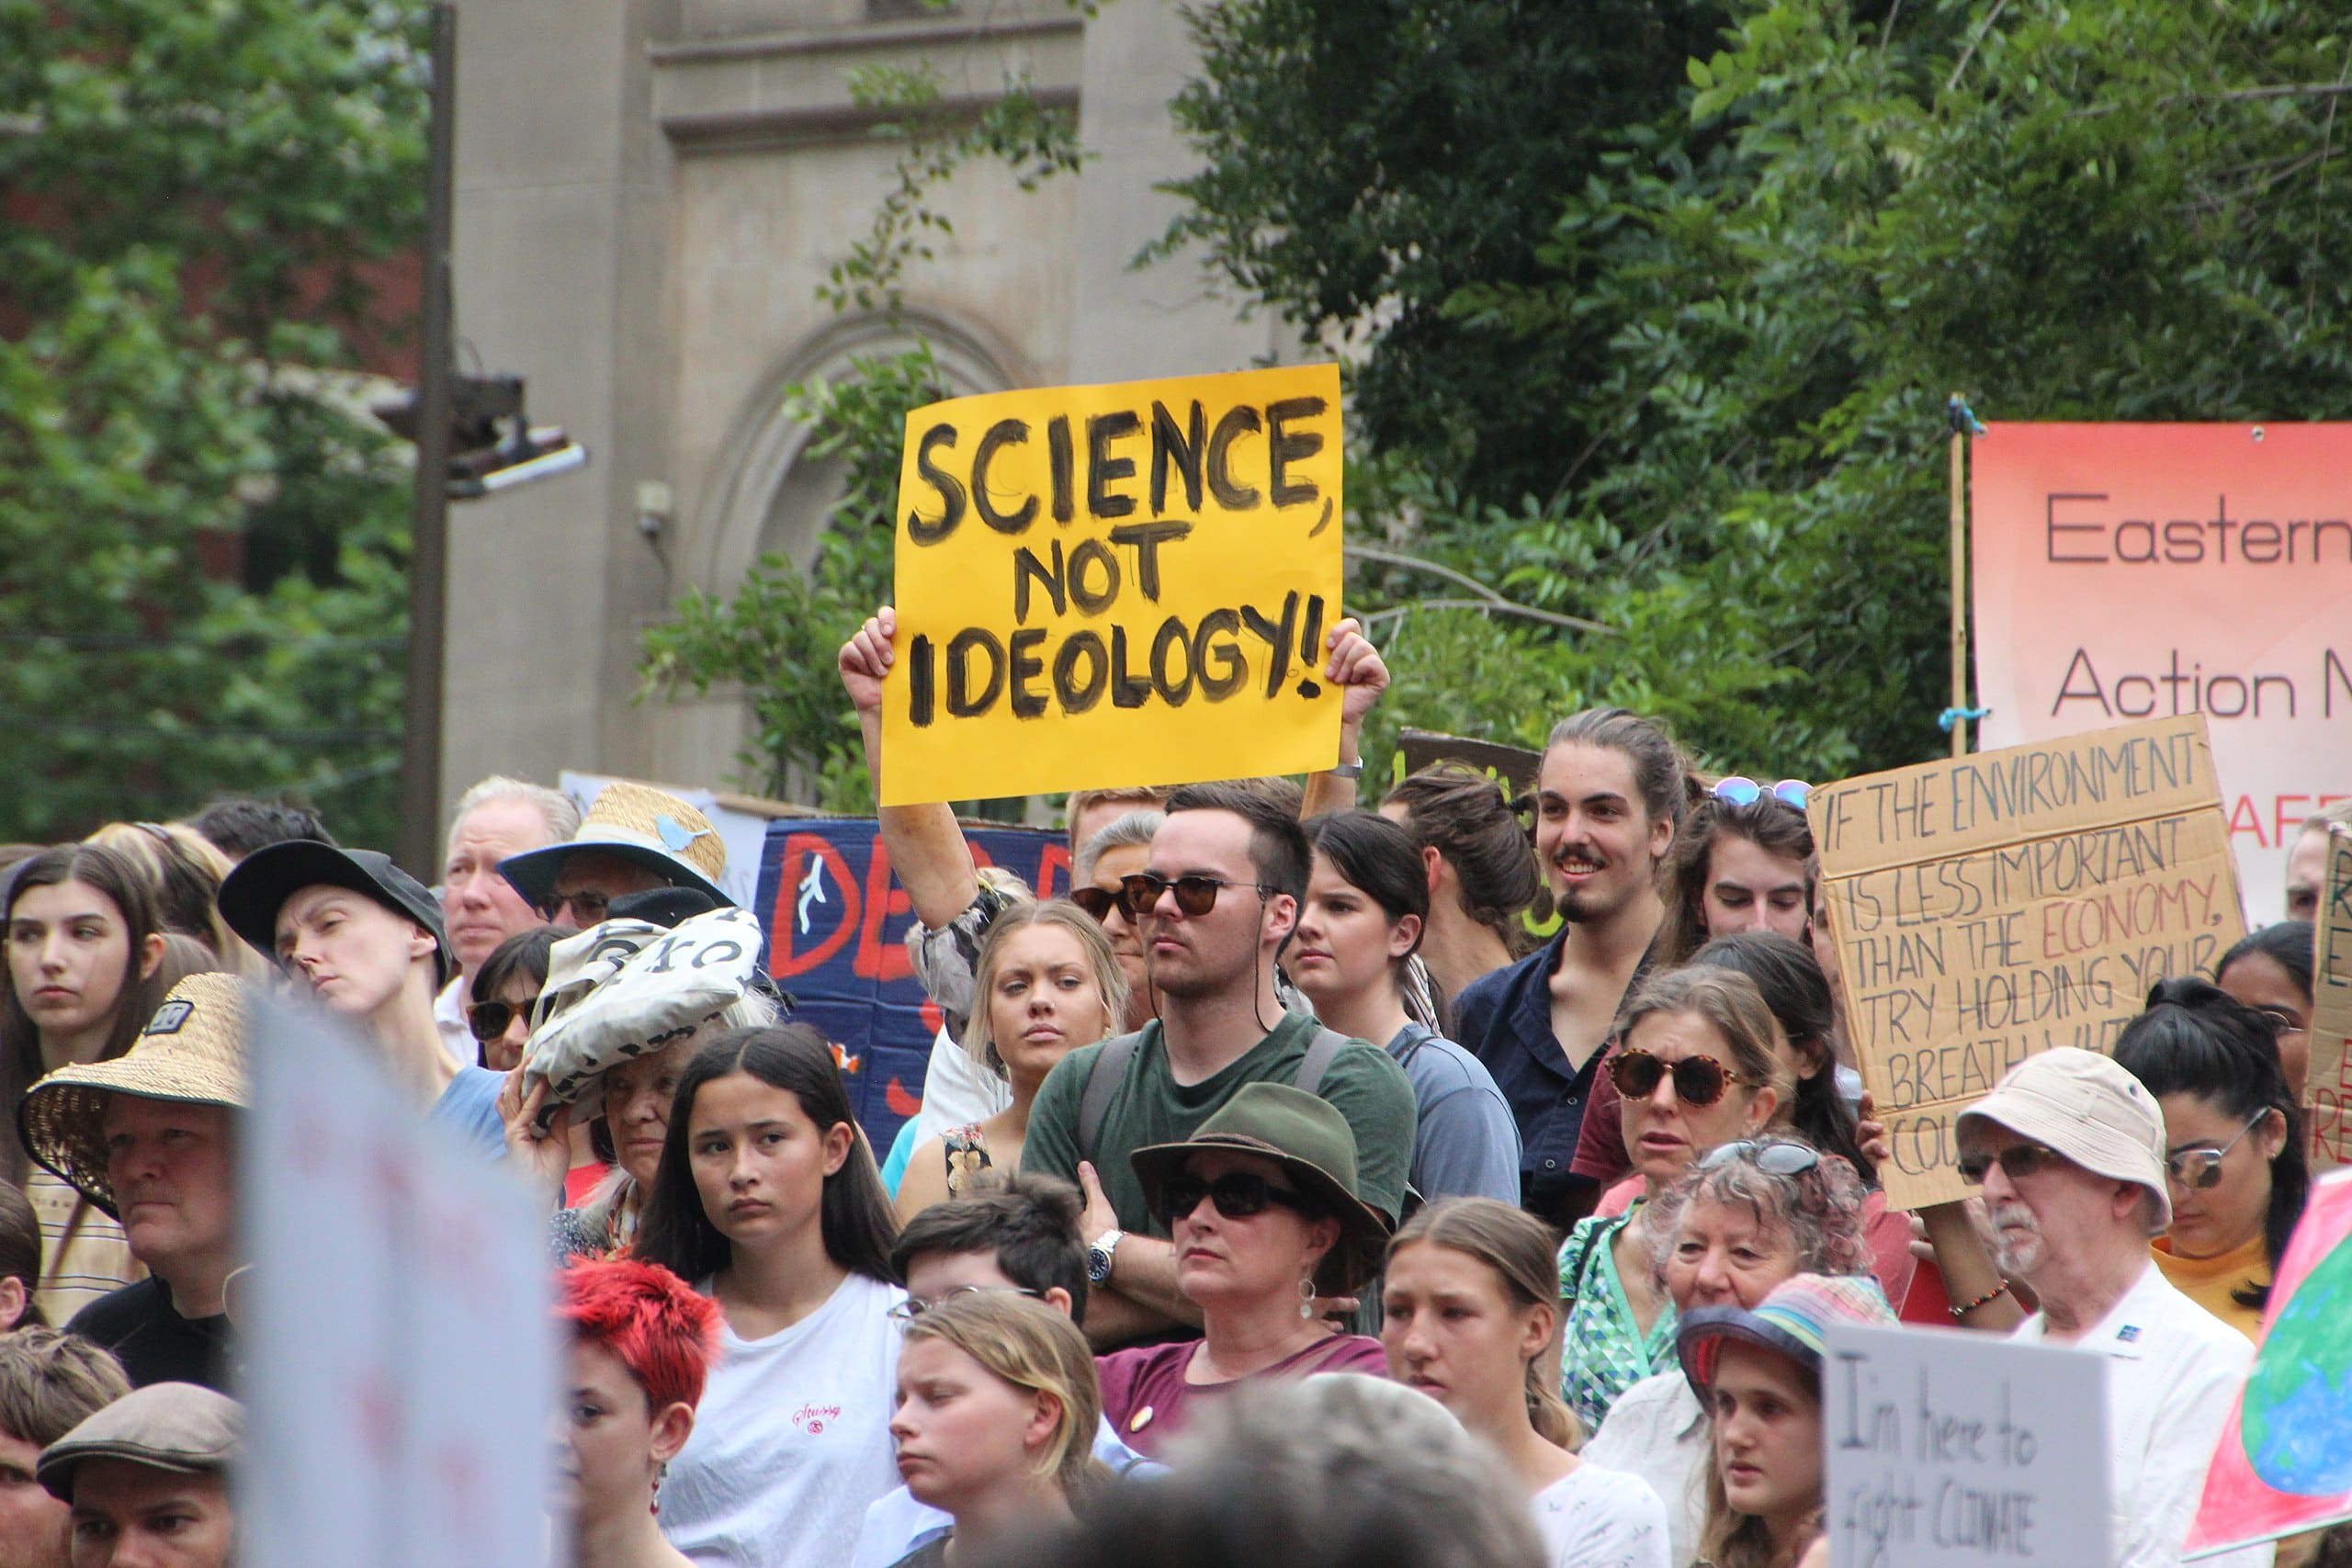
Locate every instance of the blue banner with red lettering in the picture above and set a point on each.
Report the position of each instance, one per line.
(837, 922)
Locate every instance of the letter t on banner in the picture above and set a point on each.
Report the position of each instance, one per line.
(1129, 585)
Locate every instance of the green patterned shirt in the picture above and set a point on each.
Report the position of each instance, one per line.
(1605, 1353)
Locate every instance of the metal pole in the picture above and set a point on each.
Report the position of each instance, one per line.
(418, 847)
(1958, 588)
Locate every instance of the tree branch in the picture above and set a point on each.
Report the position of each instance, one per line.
(1502, 605)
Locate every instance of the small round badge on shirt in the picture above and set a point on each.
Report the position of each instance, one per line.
(1142, 1419)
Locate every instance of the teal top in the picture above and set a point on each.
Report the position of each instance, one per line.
(1604, 1352)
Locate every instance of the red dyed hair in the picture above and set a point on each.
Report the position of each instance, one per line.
(663, 1331)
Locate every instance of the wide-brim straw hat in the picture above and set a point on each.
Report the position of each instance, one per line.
(639, 824)
(2092, 1110)
(1316, 1149)
(191, 1053)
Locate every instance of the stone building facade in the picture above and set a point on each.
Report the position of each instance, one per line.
(649, 193)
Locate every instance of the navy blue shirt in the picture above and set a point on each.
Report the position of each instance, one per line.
(1505, 1019)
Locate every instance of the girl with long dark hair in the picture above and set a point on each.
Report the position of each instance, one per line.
(766, 1199)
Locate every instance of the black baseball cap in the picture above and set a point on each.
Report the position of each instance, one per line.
(252, 895)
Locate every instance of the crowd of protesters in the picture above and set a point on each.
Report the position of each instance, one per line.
(1276, 1195)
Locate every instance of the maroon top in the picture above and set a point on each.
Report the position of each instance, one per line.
(1147, 1400)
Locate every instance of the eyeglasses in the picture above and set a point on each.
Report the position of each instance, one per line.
(1237, 1194)
(1698, 1080)
(1774, 1156)
(488, 1021)
(1195, 895)
(2017, 1162)
(914, 1307)
(1738, 791)
(1097, 902)
(2198, 1168)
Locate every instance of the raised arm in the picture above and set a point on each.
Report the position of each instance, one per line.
(926, 848)
(1357, 668)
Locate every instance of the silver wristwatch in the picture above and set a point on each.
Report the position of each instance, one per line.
(1097, 1257)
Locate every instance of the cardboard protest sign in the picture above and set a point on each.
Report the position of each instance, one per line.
(1514, 767)
(1987, 907)
(2127, 571)
(2328, 1083)
(1115, 585)
(2284, 1463)
(1960, 1448)
(397, 1315)
(837, 921)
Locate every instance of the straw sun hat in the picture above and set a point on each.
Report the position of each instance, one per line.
(639, 824)
(191, 1053)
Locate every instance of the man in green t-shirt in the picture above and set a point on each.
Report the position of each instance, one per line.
(1217, 901)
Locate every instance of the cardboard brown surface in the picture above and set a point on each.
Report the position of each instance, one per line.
(2327, 1088)
(1515, 765)
(1987, 907)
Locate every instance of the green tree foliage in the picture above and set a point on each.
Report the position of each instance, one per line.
(1835, 216)
(202, 556)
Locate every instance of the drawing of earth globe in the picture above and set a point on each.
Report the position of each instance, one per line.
(2297, 1425)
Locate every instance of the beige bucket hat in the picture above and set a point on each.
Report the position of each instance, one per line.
(2088, 1109)
(191, 1053)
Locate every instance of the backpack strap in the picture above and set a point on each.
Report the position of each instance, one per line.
(1327, 1044)
(1103, 1075)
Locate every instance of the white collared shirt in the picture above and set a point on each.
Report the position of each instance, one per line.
(2177, 1370)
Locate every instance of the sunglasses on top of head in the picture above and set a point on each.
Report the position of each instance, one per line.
(1195, 894)
(1698, 1080)
(1738, 791)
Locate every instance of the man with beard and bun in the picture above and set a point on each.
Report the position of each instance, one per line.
(2070, 1150)
(1217, 899)
(1609, 798)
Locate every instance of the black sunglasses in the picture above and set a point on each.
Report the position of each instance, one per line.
(488, 1021)
(1237, 1194)
(1698, 1080)
(2017, 1162)
(587, 908)
(1098, 902)
(1195, 895)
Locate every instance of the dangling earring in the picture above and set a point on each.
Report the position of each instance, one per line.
(1305, 1297)
(660, 1477)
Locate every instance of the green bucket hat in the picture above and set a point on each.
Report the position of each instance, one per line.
(1317, 1150)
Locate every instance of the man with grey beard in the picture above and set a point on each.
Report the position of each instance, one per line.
(2070, 1151)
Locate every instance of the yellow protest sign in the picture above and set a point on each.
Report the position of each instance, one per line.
(1987, 907)
(2328, 1083)
(1115, 585)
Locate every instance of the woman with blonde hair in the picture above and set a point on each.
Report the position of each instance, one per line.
(1472, 1319)
(1702, 1063)
(998, 1406)
(1046, 983)
(184, 869)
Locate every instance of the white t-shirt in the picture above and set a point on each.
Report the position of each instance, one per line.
(2176, 1371)
(897, 1524)
(450, 1018)
(792, 1439)
(1597, 1517)
(1657, 1430)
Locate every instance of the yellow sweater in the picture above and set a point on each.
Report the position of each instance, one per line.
(2210, 1281)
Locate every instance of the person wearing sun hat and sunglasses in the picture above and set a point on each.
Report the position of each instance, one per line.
(1699, 1066)
(149, 1137)
(2070, 1150)
(635, 839)
(1267, 1220)
(1215, 905)
(359, 937)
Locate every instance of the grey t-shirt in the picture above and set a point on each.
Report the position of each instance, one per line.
(1466, 1144)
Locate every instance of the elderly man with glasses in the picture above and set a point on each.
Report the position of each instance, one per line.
(2070, 1151)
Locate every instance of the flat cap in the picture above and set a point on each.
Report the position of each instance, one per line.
(177, 1426)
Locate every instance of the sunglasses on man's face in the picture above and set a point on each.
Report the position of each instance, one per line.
(2018, 1162)
(1698, 1080)
(488, 1021)
(1098, 902)
(587, 908)
(1237, 1194)
(1195, 895)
